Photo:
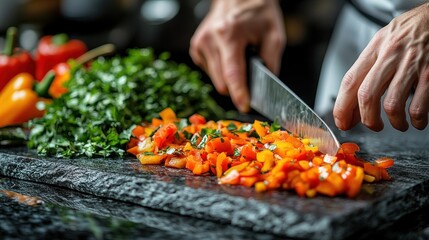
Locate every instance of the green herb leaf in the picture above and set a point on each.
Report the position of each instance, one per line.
(275, 126)
(95, 116)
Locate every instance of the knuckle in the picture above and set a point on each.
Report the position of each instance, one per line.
(379, 36)
(220, 27)
(348, 82)
(222, 89)
(231, 74)
(278, 41)
(392, 106)
(418, 113)
(394, 44)
(412, 53)
(365, 97)
(228, 27)
(199, 40)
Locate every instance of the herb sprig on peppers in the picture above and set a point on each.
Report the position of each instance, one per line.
(94, 117)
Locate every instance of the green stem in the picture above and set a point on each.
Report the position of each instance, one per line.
(10, 41)
(42, 88)
(96, 52)
(60, 39)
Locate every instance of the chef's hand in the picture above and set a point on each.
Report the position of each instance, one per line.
(395, 61)
(218, 45)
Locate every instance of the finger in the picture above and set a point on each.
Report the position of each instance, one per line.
(371, 90)
(194, 52)
(214, 69)
(204, 53)
(356, 117)
(272, 50)
(232, 60)
(346, 103)
(199, 59)
(398, 92)
(419, 106)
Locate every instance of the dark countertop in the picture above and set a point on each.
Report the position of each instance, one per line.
(150, 203)
(67, 214)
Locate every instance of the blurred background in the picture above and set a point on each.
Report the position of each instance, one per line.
(168, 25)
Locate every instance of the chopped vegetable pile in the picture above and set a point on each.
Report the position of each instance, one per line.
(255, 154)
(94, 117)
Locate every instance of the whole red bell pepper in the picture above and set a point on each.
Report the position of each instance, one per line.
(55, 49)
(14, 60)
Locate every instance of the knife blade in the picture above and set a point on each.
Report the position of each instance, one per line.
(273, 99)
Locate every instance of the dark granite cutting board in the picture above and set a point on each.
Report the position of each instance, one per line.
(277, 212)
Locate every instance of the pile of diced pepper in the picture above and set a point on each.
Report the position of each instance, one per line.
(257, 154)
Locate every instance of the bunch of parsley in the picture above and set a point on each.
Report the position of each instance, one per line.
(105, 101)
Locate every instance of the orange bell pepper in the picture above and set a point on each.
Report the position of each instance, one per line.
(22, 99)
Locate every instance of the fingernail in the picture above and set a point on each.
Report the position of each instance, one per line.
(242, 100)
(243, 108)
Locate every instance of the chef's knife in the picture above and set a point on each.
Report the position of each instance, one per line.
(273, 99)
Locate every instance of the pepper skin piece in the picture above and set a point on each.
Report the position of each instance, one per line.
(62, 75)
(14, 60)
(19, 102)
(52, 50)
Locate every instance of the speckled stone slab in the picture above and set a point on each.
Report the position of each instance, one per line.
(68, 214)
(277, 212)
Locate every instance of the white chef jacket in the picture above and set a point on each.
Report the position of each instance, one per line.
(357, 24)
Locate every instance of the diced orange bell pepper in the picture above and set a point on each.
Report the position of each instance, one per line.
(150, 159)
(134, 150)
(249, 172)
(138, 131)
(232, 177)
(384, 162)
(220, 144)
(326, 188)
(372, 170)
(167, 115)
(248, 181)
(221, 164)
(197, 119)
(164, 135)
(260, 130)
(248, 152)
(175, 162)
